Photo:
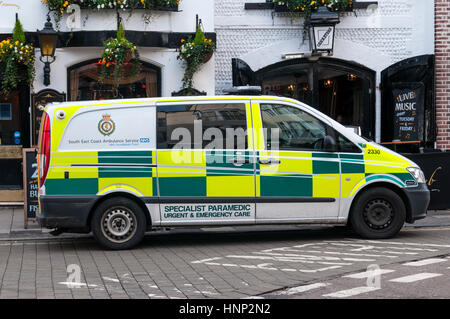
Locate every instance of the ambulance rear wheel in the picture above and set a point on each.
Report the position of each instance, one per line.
(118, 223)
(378, 213)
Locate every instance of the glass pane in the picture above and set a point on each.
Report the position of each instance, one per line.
(222, 126)
(85, 84)
(296, 130)
(289, 85)
(345, 145)
(341, 96)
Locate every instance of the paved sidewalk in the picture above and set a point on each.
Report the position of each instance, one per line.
(12, 225)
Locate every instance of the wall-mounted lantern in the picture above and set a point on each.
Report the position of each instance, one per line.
(321, 25)
(47, 42)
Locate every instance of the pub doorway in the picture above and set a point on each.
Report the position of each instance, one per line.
(340, 89)
(14, 136)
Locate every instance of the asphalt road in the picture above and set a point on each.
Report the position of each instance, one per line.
(266, 262)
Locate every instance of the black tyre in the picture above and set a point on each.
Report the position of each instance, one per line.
(378, 213)
(118, 223)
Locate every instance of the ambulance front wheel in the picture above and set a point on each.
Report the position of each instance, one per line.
(378, 213)
(118, 223)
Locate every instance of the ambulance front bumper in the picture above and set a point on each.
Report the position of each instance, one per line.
(418, 201)
(65, 212)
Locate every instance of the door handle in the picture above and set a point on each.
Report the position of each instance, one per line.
(269, 161)
(239, 161)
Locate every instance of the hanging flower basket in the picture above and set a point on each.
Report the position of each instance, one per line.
(16, 61)
(128, 56)
(208, 56)
(195, 52)
(120, 58)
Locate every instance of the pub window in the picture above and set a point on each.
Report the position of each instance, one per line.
(5, 112)
(223, 126)
(85, 84)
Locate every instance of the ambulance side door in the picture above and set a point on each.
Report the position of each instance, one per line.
(297, 174)
(205, 174)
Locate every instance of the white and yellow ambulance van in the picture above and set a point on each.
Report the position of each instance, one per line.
(123, 167)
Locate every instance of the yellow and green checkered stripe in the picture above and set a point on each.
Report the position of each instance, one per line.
(299, 174)
(91, 173)
(205, 173)
(358, 170)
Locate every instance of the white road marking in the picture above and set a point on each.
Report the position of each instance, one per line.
(367, 274)
(70, 284)
(408, 244)
(417, 277)
(111, 279)
(269, 251)
(264, 267)
(300, 258)
(351, 292)
(424, 262)
(300, 289)
(318, 270)
(204, 260)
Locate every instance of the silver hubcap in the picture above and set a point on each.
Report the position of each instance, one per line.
(118, 224)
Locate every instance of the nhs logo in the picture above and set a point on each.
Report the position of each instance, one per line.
(144, 140)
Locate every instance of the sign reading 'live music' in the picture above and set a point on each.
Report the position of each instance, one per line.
(408, 111)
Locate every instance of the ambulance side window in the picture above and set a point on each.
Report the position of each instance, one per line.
(202, 126)
(346, 146)
(289, 128)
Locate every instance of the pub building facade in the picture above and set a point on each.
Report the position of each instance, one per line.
(378, 67)
(75, 73)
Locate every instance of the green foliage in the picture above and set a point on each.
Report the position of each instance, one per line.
(120, 34)
(307, 6)
(16, 61)
(18, 34)
(199, 36)
(193, 52)
(59, 6)
(119, 55)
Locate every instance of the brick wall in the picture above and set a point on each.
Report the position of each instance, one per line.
(442, 44)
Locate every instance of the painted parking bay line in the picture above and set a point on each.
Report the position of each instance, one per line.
(425, 262)
(264, 266)
(351, 292)
(300, 289)
(416, 277)
(367, 274)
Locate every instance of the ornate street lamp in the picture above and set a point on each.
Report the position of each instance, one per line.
(47, 42)
(321, 25)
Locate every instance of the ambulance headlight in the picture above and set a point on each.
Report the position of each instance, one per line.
(418, 174)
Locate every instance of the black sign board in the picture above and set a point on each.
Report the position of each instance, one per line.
(30, 185)
(409, 109)
(42, 98)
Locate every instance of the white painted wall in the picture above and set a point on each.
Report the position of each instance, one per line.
(32, 14)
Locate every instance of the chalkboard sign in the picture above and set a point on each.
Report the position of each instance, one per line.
(30, 185)
(408, 111)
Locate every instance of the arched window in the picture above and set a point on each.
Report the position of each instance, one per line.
(84, 83)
